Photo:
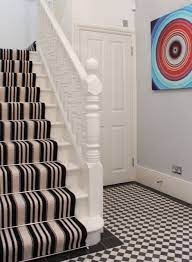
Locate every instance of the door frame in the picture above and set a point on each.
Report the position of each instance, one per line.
(76, 29)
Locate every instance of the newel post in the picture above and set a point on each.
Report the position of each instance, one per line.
(93, 153)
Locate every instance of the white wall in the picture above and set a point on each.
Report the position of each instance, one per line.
(63, 12)
(18, 23)
(103, 12)
(164, 118)
(93, 12)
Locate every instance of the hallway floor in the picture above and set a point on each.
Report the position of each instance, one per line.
(152, 226)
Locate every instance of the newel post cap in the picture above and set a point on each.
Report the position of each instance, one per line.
(94, 83)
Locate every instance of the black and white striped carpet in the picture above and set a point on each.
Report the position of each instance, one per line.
(37, 211)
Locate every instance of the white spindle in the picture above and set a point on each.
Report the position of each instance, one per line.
(93, 139)
(78, 95)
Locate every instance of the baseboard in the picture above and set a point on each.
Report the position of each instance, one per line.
(170, 185)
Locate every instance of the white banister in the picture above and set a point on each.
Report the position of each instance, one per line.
(93, 139)
(78, 93)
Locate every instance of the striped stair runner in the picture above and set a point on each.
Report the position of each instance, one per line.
(37, 211)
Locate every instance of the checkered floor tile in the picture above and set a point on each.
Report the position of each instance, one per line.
(151, 226)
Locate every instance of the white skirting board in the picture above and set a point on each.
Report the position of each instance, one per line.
(171, 185)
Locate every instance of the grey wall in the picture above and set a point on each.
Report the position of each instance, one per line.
(164, 118)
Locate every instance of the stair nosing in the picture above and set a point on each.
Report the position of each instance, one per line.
(60, 143)
(79, 194)
(76, 167)
(45, 221)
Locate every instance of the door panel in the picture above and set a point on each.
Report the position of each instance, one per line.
(113, 52)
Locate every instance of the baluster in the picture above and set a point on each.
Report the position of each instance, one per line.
(95, 179)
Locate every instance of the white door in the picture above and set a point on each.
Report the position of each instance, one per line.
(113, 50)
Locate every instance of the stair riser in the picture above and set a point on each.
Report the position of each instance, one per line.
(21, 217)
(47, 97)
(58, 133)
(24, 130)
(72, 179)
(37, 68)
(72, 182)
(32, 177)
(66, 154)
(36, 207)
(51, 113)
(28, 151)
(41, 81)
(34, 56)
(81, 207)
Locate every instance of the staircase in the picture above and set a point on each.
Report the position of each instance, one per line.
(50, 170)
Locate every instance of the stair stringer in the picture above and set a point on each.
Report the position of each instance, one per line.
(78, 172)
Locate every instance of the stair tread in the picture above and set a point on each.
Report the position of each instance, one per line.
(31, 141)
(78, 192)
(19, 94)
(16, 66)
(56, 236)
(14, 54)
(60, 142)
(33, 176)
(71, 166)
(63, 142)
(22, 110)
(30, 120)
(22, 130)
(18, 79)
(36, 206)
(25, 103)
(28, 151)
(22, 87)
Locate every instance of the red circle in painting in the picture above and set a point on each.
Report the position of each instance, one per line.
(174, 50)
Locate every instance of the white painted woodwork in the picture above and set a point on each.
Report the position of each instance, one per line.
(171, 185)
(114, 51)
(76, 104)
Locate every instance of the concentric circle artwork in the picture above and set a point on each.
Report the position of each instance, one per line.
(172, 50)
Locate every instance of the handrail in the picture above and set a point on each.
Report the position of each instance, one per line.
(78, 97)
(66, 44)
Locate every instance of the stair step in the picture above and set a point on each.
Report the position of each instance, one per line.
(36, 206)
(16, 66)
(24, 130)
(57, 236)
(35, 176)
(18, 79)
(20, 111)
(19, 94)
(29, 151)
(14, 54)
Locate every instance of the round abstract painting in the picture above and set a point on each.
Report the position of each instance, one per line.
(172, 50)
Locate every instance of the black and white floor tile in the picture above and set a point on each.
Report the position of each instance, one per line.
(152, 227)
